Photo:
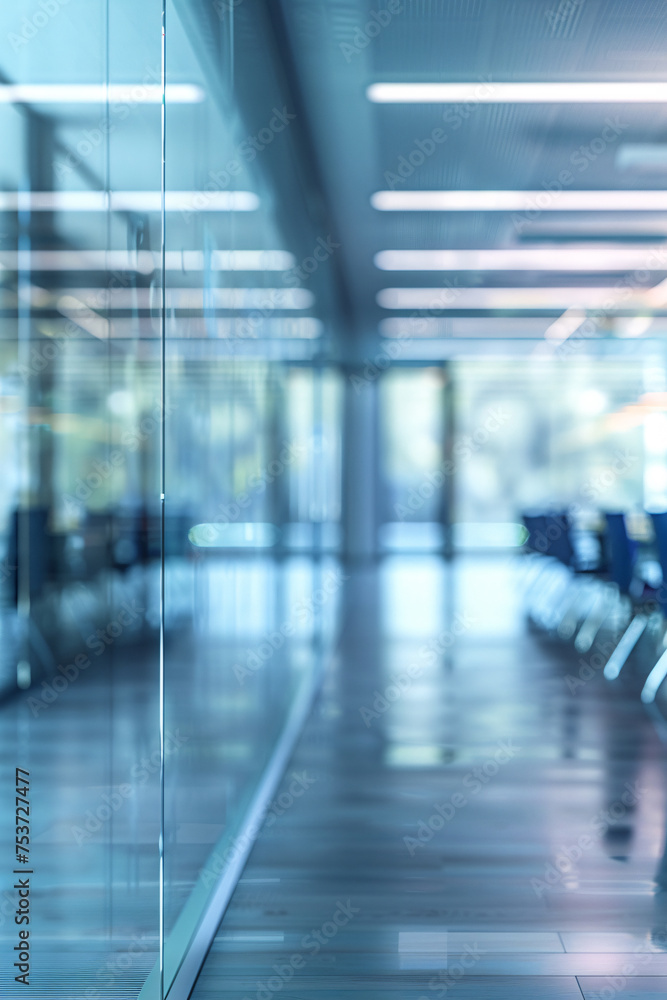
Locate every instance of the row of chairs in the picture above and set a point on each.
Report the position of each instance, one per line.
(582, 582)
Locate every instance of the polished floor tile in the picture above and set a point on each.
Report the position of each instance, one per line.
(627, 987)
(472, 988)
(94, 851)
(471, 827)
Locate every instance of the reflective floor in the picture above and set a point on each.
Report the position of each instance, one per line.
(457, 819)
(91, 746)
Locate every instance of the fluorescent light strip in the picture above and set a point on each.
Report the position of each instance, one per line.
(482, 92)
(520, 201)
(273, 328)
(233, 328)
(189, 202)
(612, 226)
(446, 299)
(266, 299)
(146, 262)
(480, 327)
(246, 260)
(577, 257)
(98, 93)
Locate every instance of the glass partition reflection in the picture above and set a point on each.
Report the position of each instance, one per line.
(80, 456)
(113, 370)
(415, 464)
(546, 434)
(252, 478)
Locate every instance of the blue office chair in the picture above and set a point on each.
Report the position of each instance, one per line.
(534, 526)
(550, 535)
(659, 522)
(622, 554)
(659, 670)
(556, 602)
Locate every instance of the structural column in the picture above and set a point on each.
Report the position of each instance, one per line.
(360, 465)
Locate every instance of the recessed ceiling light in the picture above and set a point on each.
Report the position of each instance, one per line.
(491, 92)
(577, 257)
(437, 300)
(268, 299)
(480, 327)
(188, 202)
(146, 262)
(98, 93)
(520, 201)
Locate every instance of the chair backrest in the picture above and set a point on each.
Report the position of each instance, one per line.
(558, 527)
(532, 523)
(550, 535)
(660, 530)
(30, 543)
(621, 550)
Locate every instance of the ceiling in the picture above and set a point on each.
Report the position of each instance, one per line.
(359, 146)
(315, 182)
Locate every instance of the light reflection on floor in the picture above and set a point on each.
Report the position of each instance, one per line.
(92, 754)
(466, 803)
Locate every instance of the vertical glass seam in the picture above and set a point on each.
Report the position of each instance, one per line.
(163, 325)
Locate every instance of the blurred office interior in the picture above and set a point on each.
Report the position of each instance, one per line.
(333, 505)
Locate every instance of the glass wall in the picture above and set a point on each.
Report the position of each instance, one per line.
(476, 443)
(78, 498)
(556, 434)
(170, 498)
(416, 467)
